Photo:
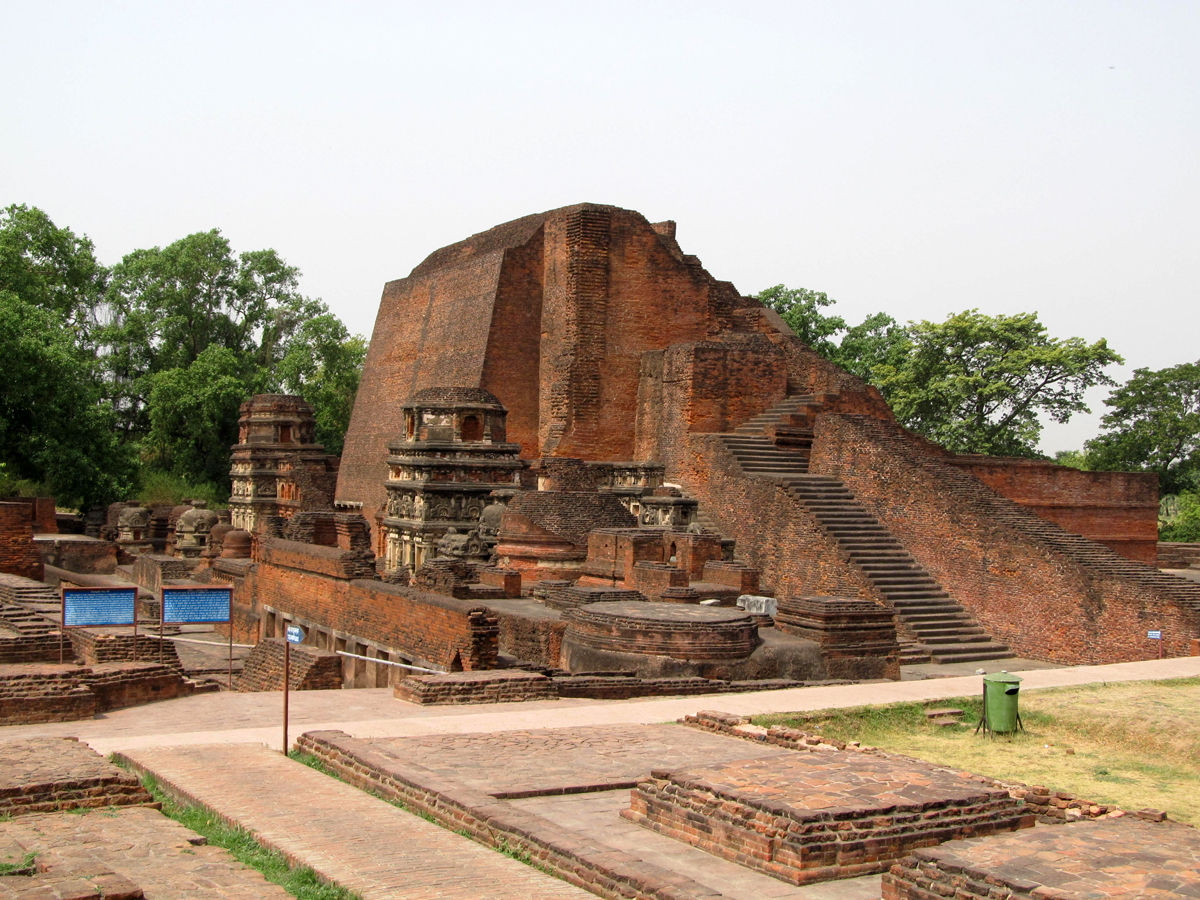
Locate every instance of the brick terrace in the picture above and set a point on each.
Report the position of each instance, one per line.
(814, 816)
(1122, 857)
(131, 852)
(45, 774)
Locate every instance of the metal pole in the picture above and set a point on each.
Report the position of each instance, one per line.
(162, 620)
(287, 674)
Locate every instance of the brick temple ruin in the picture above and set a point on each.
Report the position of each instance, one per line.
(573, 449)
(577, 462)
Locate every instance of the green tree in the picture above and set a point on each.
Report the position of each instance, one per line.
(51, 268)
(193, 413)
(1153, 425)
(54, 428)
(323, 363)
(801, 309)
(169, 304)
(874, 348)
(978, 384)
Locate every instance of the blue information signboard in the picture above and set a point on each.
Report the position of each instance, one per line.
(196, 604)
(98, 606)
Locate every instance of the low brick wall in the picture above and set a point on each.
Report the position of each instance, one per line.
(28, 648)
(322, 585)
(1049, 806)
(1173, 555)
(857, 637)
(95, 648)
(309, 669)
(32, 695)
(118, 685)
(810, 817)
(52, 774)
(496, 686)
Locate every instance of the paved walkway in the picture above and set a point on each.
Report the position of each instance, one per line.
(347, 836)
(257, 718)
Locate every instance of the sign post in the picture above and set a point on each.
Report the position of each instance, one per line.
(189, 605)
(295, 635)
(97, 606)
(1156, 635)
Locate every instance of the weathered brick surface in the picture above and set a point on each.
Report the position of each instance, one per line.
(1043, 592)
(317, 584)
(18, 555)
(496, 686)
(1114, 858)
(1116, 509)
(309, 669)
(46, 774)
(809, 817)
(1178, 555)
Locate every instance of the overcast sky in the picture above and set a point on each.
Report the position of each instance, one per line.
(914, 157)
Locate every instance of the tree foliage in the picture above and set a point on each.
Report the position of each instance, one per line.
(1153, 425)
(801, 309)
(54, 429)
(152, 358)
(978, 384)
(974, 383)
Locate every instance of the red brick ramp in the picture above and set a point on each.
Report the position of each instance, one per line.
(347, 836)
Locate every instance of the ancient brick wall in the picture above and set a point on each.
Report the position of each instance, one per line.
(773, 530)
(1117, 509)
(308, 582)
(1031, 585)
(18, 554)
(309, 669)
(552, 314)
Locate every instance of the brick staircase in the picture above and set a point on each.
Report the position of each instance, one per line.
(1093, 557)
(931, 625)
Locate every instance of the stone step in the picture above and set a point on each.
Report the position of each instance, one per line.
(970, 653)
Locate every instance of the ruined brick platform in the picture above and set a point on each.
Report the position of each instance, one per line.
(678, 630)
(48, 774)
(1122, 857)
(488, 686)
(120, 853)
(808, 817)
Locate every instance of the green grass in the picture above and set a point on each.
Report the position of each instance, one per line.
(1134, 744)
(24, 866)
(299, 881)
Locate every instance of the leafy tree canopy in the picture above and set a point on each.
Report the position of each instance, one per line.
(974, 383)
(977, 383)
(54, 429)
(1153, 424)
(152, 358)
(50, 267)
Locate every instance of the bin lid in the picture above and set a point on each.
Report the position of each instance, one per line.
(1002, 678)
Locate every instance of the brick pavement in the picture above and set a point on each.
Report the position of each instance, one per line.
(1122, 857)
(509, 764)
(344, 834)
(106, 853)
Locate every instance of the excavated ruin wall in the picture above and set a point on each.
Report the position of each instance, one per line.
(429, 628)
(1041, 602)
(773, 530)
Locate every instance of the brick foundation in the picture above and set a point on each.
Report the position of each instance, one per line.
(18, 554)
(310, 669)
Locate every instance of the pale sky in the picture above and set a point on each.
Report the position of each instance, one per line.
(914, 157)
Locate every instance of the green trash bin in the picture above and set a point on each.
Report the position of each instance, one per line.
(1000, 692)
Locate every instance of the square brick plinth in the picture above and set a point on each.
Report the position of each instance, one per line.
(811, 817)
(1122, 857)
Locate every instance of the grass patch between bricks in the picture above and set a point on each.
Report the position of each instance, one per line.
(299, 881)
(26, 865)
(1129, 744)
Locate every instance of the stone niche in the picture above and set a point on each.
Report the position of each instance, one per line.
(447, 475)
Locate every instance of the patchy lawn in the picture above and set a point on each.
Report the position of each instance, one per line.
(1133, 744)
